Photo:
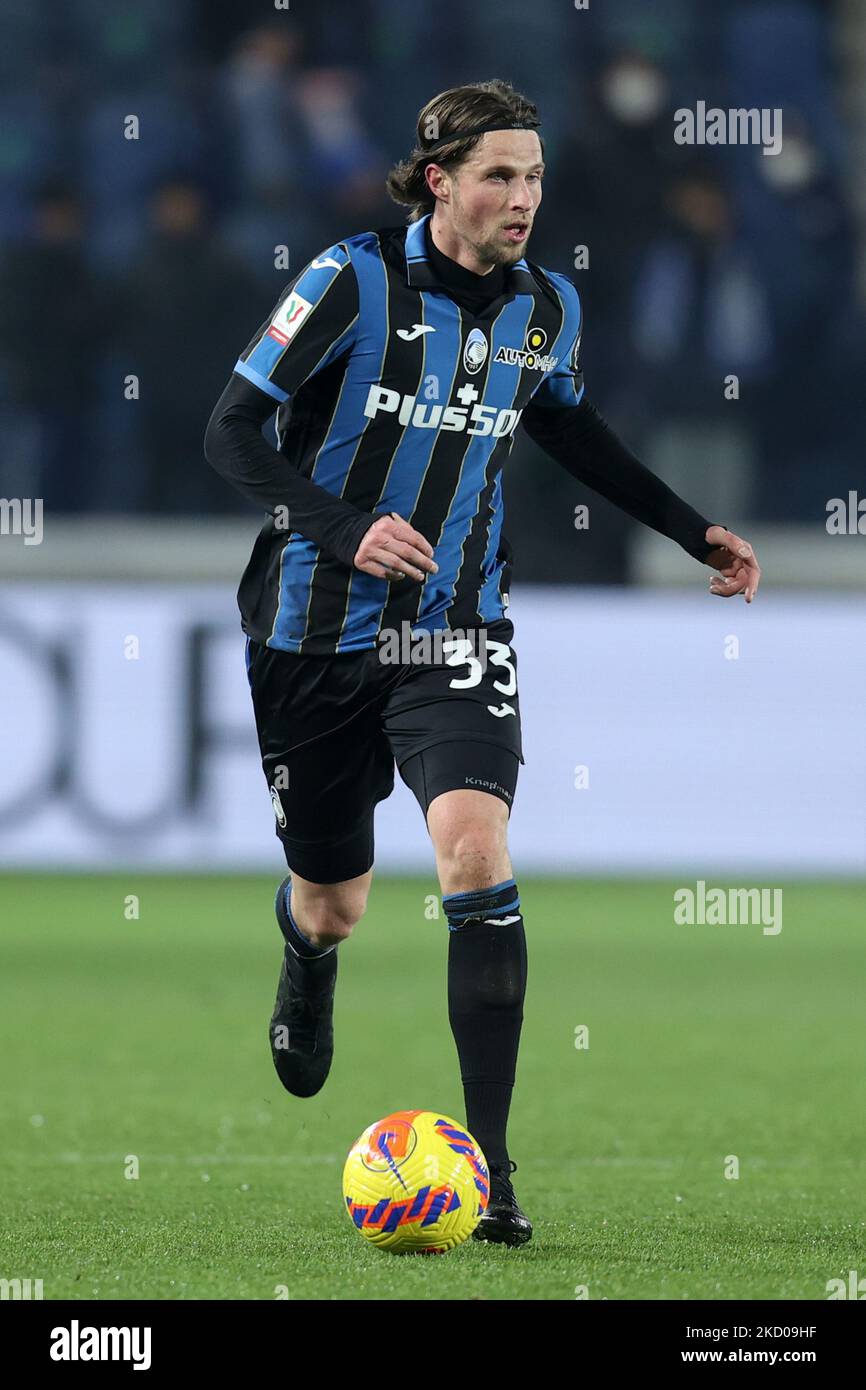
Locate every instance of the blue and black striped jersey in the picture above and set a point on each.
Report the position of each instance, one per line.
(392, 397)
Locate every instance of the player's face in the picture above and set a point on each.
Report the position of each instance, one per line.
(492, 198)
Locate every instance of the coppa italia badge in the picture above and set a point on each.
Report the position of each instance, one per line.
(288, 318)
(530, 355)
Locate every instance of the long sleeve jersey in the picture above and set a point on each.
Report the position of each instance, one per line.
(399, 379)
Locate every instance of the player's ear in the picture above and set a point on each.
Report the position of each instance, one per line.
(437, 181)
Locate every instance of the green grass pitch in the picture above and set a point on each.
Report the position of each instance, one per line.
(148, 1038)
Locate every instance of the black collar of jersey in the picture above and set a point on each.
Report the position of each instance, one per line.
(421, 275)
(457, 279)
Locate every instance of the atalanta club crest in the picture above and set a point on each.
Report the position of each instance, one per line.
(475, 351)
(278, 808)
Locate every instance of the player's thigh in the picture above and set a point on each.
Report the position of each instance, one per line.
(469, 832)
(465, 695)
(465, 790)
(327, 764)
(467, 691)
(454, 727)
(325, 810)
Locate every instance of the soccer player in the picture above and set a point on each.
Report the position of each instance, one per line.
(400, 363)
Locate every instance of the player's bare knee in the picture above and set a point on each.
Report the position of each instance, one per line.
(471, 854)
(330, 931)
(328, 912)
(331, 919)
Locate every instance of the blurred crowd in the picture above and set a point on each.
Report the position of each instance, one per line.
(133, 270)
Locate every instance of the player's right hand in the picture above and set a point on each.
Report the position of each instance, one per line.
(391, 549)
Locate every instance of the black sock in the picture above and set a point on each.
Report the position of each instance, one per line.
(486, 988)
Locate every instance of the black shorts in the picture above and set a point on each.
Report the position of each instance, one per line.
(331, 729)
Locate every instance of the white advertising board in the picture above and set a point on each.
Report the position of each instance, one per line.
(663, 732)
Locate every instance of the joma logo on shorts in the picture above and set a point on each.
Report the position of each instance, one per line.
(470, 415)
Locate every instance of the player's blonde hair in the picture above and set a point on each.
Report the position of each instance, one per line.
(458, 108)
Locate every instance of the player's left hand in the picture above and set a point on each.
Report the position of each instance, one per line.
(734, 558)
